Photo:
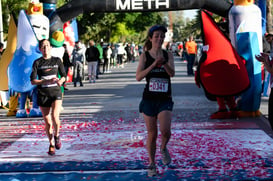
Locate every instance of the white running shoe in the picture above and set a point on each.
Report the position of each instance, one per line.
(152, 170)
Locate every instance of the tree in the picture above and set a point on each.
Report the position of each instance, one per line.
(9, 7)
(192, 27)
(178, 23)
(116, 27)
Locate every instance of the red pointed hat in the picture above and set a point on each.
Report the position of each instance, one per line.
(223, 71)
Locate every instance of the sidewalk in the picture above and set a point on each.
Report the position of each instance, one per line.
(104, 137)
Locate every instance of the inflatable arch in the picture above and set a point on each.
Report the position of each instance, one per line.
(76, 7)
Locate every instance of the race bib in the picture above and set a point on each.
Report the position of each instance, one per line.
(47, 78)
(158, 85)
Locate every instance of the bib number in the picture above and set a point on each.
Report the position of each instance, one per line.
(47, 78)
(158, 85)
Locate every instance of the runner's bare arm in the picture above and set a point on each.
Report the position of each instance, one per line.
(141, 71)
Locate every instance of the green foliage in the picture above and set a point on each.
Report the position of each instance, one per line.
(116, 27)
(120, 34)
(9, 7)
(183, 29)
(61, 2)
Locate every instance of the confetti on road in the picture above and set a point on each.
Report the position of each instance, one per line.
(114, 143)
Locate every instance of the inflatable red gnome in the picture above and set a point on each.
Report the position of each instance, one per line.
(221, 71)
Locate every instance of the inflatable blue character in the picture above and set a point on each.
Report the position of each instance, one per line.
(245, 27)
(31, 28)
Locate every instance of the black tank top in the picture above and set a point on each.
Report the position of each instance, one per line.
(158, 82)
(47, 69)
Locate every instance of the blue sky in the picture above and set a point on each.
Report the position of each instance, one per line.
(190, 13)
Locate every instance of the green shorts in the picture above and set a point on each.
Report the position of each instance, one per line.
(154, 107)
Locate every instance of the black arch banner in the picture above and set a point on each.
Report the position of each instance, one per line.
(76, 7)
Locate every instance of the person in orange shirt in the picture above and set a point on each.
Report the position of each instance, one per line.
(191, 50)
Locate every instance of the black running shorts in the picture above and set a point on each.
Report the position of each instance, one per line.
(154, 107)
(47, 97)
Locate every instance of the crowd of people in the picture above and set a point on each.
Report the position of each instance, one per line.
(100, 58)
(189, 51)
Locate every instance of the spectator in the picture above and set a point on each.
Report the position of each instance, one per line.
(107, 51)
(136, 52)
(101, 59)
(184, 53)
(66, 61)
(77, 60)
(269, 39)
(266, 76)
(180, 49)
(92, 55)
(128, 52)
(266, 60)
(191, 49)
(121, 53)
(113, 56)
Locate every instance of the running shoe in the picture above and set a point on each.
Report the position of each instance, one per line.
(58, 143)
(166, 158)
(151, 170)
(51, 150)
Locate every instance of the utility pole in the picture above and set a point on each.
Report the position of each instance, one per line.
(170, 25)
